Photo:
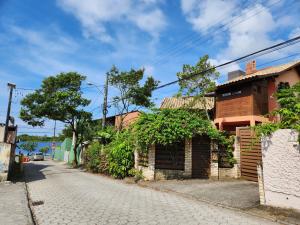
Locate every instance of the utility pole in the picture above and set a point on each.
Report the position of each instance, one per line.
(53, 146)
(54, 129)
(11, 87)
(105, 102)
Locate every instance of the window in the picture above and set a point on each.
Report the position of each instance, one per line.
(237, 92)
(283, 85)
(226, 94)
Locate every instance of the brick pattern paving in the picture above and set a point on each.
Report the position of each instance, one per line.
(14, 205)
(73, 197)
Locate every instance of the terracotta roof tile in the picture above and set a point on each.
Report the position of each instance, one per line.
(186, 102)
(269, 71)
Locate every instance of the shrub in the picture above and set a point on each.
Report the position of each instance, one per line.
(93, 157)
(137, 174)
(120, 155)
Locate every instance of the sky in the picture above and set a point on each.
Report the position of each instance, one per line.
(43, 38)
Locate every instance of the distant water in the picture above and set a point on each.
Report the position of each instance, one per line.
(39, 146)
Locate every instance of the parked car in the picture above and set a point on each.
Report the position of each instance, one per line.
(38, 156)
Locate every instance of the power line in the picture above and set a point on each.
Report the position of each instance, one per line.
(276, 60)
(189, 38)
(221, 28)
(261, 52)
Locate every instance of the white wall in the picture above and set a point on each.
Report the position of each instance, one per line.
(5, 152)
(281, 169)
(2, 130)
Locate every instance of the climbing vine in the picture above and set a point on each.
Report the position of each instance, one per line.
(168, 126)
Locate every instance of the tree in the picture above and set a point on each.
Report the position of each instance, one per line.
(28, 146)
(132, 94)
(59, 98)
(289, 112)
(198, 80)
(44, 149)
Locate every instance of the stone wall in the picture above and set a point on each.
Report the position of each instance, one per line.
(229, 172)
(281, 169)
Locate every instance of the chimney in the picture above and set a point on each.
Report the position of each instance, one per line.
(251, 67)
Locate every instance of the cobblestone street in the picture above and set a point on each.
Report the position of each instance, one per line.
(68, 196)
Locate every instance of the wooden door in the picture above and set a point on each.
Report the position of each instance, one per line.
(200, 157)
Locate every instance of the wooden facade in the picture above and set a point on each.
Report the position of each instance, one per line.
(243, 100)
(241, 105)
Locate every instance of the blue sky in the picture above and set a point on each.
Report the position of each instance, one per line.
(42, 38)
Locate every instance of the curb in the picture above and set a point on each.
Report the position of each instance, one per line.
(29, 203)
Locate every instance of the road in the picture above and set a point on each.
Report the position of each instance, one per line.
(69, 196)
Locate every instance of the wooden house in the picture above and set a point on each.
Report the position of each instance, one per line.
(245, 100)
(247, 97)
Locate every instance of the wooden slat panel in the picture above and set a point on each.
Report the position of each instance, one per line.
(250, 178)
(170, 157)
(250, 154)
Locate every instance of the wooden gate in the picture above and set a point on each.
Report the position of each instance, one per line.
(250, 153)
(200, 157)
(170, 157)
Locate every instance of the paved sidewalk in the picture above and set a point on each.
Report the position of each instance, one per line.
(69, 196)
(238, 194)
(13, 204)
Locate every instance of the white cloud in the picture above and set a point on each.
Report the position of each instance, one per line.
(250, 32)
(151, 22)
(94, 15)
(247, 29)
(54, 41)
(294, 33)
(202, 13)
(149, 70)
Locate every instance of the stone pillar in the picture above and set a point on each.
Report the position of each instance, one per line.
(188, 158)
(136, 159)
(214, 165)
(151, 163)
(261, 188)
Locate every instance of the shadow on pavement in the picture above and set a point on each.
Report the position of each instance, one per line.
(33, 171)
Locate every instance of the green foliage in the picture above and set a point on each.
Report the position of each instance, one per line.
(44, 149)
(289, 112)
(120, 155)
(201, 83)
(59, 98)
(93, 157)
(28, 146)
(106, 134)
(137, 174)
(131, 93)
(171, 125)
(226, 143)
(197, 81)
(289, 100)
(33, 138)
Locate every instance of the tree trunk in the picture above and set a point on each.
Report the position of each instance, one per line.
(75, 161)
